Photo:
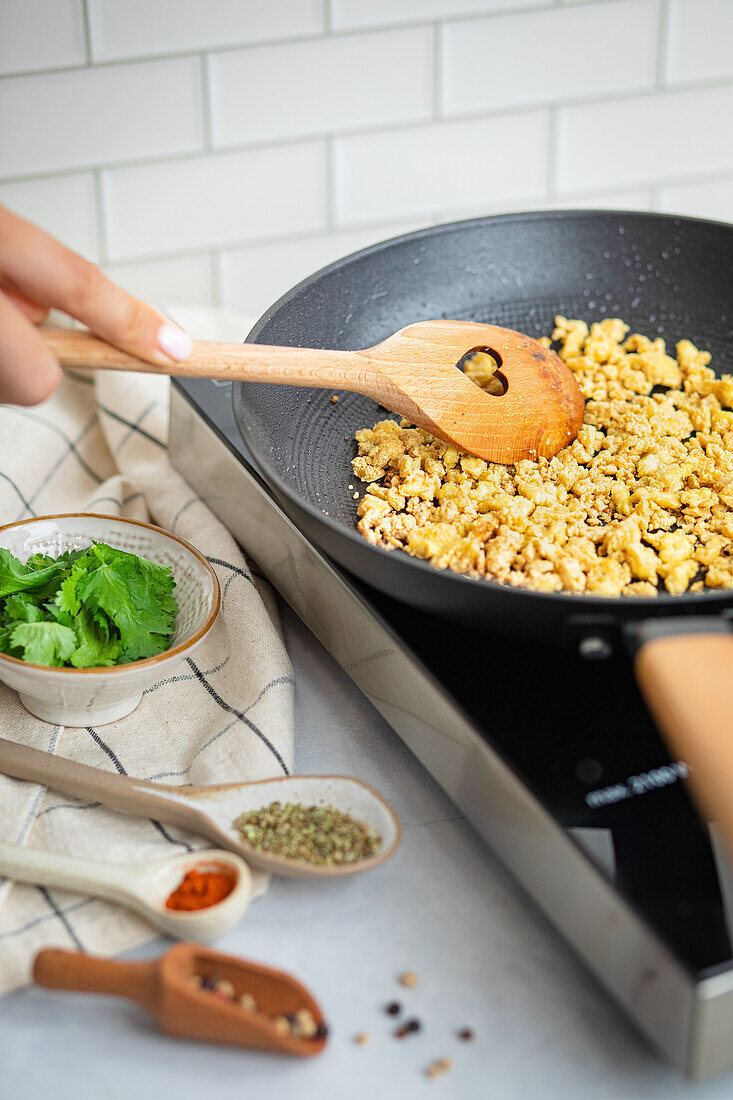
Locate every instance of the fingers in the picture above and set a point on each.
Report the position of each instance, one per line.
(44, 270)
(29, 372)
(34, 311)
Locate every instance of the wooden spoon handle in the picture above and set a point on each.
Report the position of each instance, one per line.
(83, 876)
(56, 969)
(231, 362)
(687, 682)
(121, 792)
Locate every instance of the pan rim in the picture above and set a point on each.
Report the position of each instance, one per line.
(646, 605)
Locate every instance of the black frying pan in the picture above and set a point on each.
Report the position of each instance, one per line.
(663, 275)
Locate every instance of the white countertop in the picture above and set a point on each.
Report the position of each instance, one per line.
(442, 907)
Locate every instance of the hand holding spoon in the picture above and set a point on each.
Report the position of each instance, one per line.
(142, 887)
(414, 372)
(210, 811)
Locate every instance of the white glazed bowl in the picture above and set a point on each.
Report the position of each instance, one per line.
(93, 696)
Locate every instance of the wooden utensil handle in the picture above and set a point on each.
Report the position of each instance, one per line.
(121, 792)
(56, 969)
(83, 876)
(232, 362)
(687, 682)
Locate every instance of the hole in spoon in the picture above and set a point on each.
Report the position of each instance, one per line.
(482, 365)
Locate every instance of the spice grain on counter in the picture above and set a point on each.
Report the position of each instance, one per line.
(313, 834)
(408, 1028)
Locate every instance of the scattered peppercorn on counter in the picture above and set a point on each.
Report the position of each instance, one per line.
(639, 503)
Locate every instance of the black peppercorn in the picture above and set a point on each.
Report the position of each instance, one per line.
(393, 1008)
(465, 1033)
(321, 1032)
(407, 1028)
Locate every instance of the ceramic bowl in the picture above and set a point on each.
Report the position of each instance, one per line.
(94, 696)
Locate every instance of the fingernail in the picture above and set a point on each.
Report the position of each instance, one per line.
(174, 342)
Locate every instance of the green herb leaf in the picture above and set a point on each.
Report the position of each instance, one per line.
(44, 643)
(16, 577)
(135, 594)
(22, 607)
(116, 607)
(95, 650)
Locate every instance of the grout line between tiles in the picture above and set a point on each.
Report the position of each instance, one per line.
(437, 71)
(216, 277)
(101, 217)
(552, 153)
(86, 30)
(330, 184)
(517, 110)
(208, 121)
(662, 45)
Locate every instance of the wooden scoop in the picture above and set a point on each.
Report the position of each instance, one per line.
(165, 987)
(414, 373)
(210, 811)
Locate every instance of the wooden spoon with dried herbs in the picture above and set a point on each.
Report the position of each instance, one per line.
(325, 826)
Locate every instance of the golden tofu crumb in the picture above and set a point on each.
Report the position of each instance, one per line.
(640, 502)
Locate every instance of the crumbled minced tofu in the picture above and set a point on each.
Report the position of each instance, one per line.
(642, 498)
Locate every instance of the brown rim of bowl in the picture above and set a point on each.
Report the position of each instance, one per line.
(145, 661)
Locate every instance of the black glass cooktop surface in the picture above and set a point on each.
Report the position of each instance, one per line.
(578, 734)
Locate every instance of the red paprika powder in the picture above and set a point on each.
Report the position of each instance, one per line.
(200, 889)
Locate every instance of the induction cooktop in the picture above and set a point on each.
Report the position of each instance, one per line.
(548, 750)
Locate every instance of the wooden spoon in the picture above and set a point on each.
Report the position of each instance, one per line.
(413, 373)
(210, 811)
(165, 987)
(143, 887)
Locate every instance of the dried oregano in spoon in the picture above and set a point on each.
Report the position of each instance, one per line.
(314, 834)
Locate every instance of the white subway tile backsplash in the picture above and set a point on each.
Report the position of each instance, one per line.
(139, 28)
(713, 199)
(218, 199)
(563, 53)
(253, 278)
(312, 87)
(700, 40)
(36, 34)
(645, 139)
(91, 116)
(353, 14)
(183, 279)
(63, 205)
(413, 172)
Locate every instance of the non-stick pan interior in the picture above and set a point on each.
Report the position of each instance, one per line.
(665, 276)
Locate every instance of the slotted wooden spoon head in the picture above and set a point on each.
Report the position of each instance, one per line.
(540, 413)
(414, 372)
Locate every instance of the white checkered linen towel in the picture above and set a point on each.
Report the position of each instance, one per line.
(99, 445)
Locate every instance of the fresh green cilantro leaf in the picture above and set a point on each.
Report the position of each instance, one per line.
(16, 577)
(116, 606)
(44, 643)
(22, 607)
(131, 591)
(95, 649)
(39, 561)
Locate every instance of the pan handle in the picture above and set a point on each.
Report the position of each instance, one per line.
(684, 670)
